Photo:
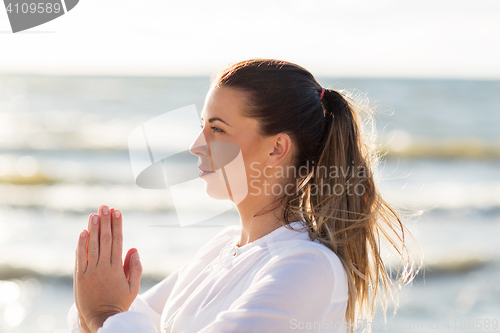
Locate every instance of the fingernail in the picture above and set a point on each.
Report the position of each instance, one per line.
(117, 213)
(95, 219)
(83, 234)
(137, 256)
(105, 210)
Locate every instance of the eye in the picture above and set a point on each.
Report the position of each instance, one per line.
(216, 129)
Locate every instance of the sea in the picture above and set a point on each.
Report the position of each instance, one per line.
(64, 151)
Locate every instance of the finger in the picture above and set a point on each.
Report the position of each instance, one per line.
(126, 266)
(80, 263)
(74, 278)
(117, 230)
(81, 254)
(88, 238)
(135, 273)
(93, 246)
(106, 237)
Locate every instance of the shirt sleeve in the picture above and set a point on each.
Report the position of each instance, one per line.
(157, 296)
(140, 318)
(291, 289)
(128, 322)
(73, 324)
(144, 314)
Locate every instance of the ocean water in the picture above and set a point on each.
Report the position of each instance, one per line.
(64, 152)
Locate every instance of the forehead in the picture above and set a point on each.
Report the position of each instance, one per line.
(223, 102)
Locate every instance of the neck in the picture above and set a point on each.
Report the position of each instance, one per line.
(259, 217)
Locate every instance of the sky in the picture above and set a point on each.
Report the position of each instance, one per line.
(368, 38)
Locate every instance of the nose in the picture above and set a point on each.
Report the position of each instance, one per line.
(199, 146)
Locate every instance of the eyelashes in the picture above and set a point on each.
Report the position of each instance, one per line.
(214, 129)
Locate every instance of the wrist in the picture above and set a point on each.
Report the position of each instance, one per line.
(96, 322)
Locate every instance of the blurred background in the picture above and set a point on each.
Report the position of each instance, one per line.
(73, 89)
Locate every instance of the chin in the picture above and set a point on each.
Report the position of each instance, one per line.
(216, 187)
(217, 193)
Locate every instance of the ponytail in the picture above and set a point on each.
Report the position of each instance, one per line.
(350, 218)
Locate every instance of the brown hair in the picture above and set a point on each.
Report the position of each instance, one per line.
(328, 133)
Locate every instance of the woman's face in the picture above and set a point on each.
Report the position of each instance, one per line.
(223, 122)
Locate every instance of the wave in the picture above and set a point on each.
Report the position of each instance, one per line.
(8, 272)
(32, 179)
(80, 198)
(402, 144)
(423, 148)
(456, 266)
(83, 197)
(437, 197)
(428, 148)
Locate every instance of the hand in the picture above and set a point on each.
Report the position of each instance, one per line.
(103, 285)
(83, 325)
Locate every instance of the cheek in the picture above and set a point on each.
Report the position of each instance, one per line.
(254, 159)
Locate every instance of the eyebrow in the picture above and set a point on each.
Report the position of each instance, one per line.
(216, 118)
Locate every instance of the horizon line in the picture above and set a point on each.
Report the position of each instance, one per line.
(191, 75)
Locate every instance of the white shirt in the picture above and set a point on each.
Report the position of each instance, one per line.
(281, 282)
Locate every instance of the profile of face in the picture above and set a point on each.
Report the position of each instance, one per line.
(225, 127)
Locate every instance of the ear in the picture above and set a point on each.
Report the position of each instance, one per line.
(281, 149)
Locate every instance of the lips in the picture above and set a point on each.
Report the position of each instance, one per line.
(204, 173)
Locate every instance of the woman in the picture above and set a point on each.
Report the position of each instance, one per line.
(306, 256)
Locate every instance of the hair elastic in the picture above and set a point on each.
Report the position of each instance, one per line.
(322, 93)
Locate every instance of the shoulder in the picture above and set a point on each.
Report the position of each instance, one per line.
(305, 249)
(314, 262)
